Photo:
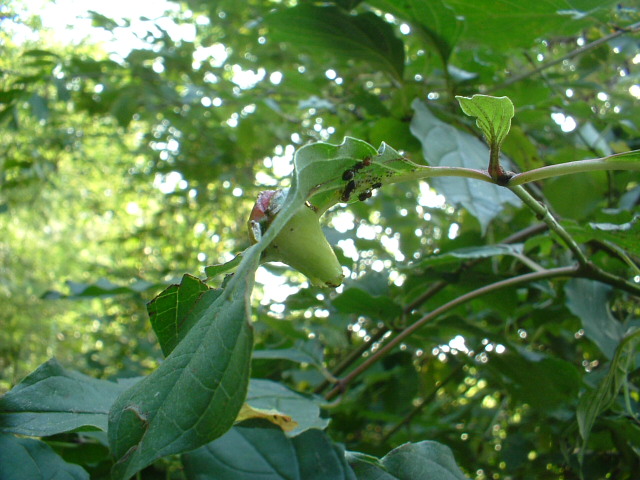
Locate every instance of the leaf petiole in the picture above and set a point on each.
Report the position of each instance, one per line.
(619, 161)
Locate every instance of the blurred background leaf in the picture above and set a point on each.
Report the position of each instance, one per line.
(132, 151)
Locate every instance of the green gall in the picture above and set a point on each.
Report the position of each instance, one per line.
(301, 243)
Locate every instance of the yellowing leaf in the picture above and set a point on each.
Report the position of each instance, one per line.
(285, 422)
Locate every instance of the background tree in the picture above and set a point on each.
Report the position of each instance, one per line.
(120, 174)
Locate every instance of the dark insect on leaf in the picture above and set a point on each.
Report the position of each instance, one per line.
(351, 186)
(360, 165)
(364, 195)
(348, 175)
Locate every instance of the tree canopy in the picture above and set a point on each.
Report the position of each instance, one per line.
(473, 165)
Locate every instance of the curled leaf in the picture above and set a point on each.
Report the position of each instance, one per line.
(285, 422)
(301, 244)
(493, 115)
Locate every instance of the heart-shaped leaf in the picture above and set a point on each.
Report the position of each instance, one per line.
(445, 146)
(493, 115)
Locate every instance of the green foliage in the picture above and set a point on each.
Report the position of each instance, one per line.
(260, 450)
(172, 312)
(196, 393)
(54, 400)
(588, 301)
(364, 37)
(487, 325)
(446, 146)
(422, 460)
(597, 401)
(28, 458)
(493, 116)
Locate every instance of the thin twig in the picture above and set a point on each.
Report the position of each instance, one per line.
(439, 285)
(420, 300)
(433, 290)
(593, 272)
(578, 51)
(619, 161)
(510, 282)
(542, 212)
(353, 356)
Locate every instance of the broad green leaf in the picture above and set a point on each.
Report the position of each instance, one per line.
(319, 171)
(196, 393)
(367, 467)
(54, 400)
(542, 382)
(99, 20)
(258, 450)
(26, 458)
(588, 300)
(623, 427)
(319, 168)
(470, 253)
(305, 410)
(394, 132)
(126, 104)
(425, 460)
(623, 238)
(586, 195)
(503, 23)
(593, 403)
(444, 145)
(434, 19)
(174, 311)
(493, 115)
(39, 53)
(358, 301)
(364, 36)
(310, 352)
(626, 235)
